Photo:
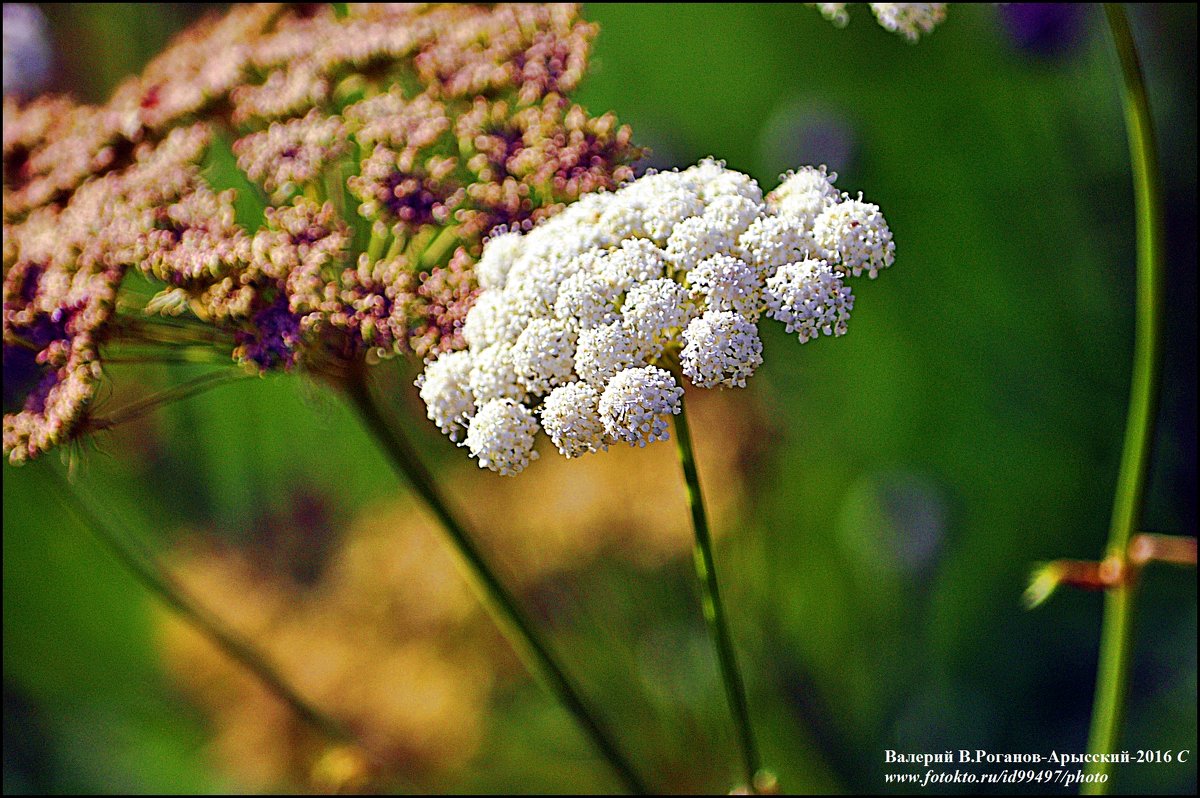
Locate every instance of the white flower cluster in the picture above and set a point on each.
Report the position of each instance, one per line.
(587, 321)
(910, 20)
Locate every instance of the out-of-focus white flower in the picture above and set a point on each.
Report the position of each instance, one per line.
(588, 321)
(910, 20)
(834, 12)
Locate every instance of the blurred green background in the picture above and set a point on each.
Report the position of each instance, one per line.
(902, 479)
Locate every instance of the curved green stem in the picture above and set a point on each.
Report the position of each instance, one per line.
(517, 627)
(1116, 635)
(140, 561)
(714, 610)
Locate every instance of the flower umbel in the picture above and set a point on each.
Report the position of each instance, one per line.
(590, 320)
(373, 152)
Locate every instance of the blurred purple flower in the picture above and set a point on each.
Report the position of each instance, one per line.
(28, 59)
(1043, 29)
(798, 132)
(274, 337)
(895, 522)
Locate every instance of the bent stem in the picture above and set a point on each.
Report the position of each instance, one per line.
(176, 393)
(714, 610)
(140, 561)
(517, 628)
(1116, 634)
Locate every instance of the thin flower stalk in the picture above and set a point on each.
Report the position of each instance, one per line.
(1116, 639)
(144, 566)
(1146, 548)
(519, 630)
(714, 609)
(176, 393)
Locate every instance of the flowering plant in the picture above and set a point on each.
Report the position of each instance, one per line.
(297, 193)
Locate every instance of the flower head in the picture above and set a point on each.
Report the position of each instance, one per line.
(373, 153)
(804, 194)
(571, 417)
(636, 403)
(446, 390)
(543, 355)
(501, 436)
(855, 234)
(809, 298)
(604, 352)
(728, 283)
(720, 348)
(591, 320)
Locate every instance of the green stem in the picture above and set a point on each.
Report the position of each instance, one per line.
(139, 560)
(176, 393)
(1116, 635)
(399, 241)
(714, 610)
(517, 627)
(186, 355)
(444, 242)
(169, 331)
(376, 244)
